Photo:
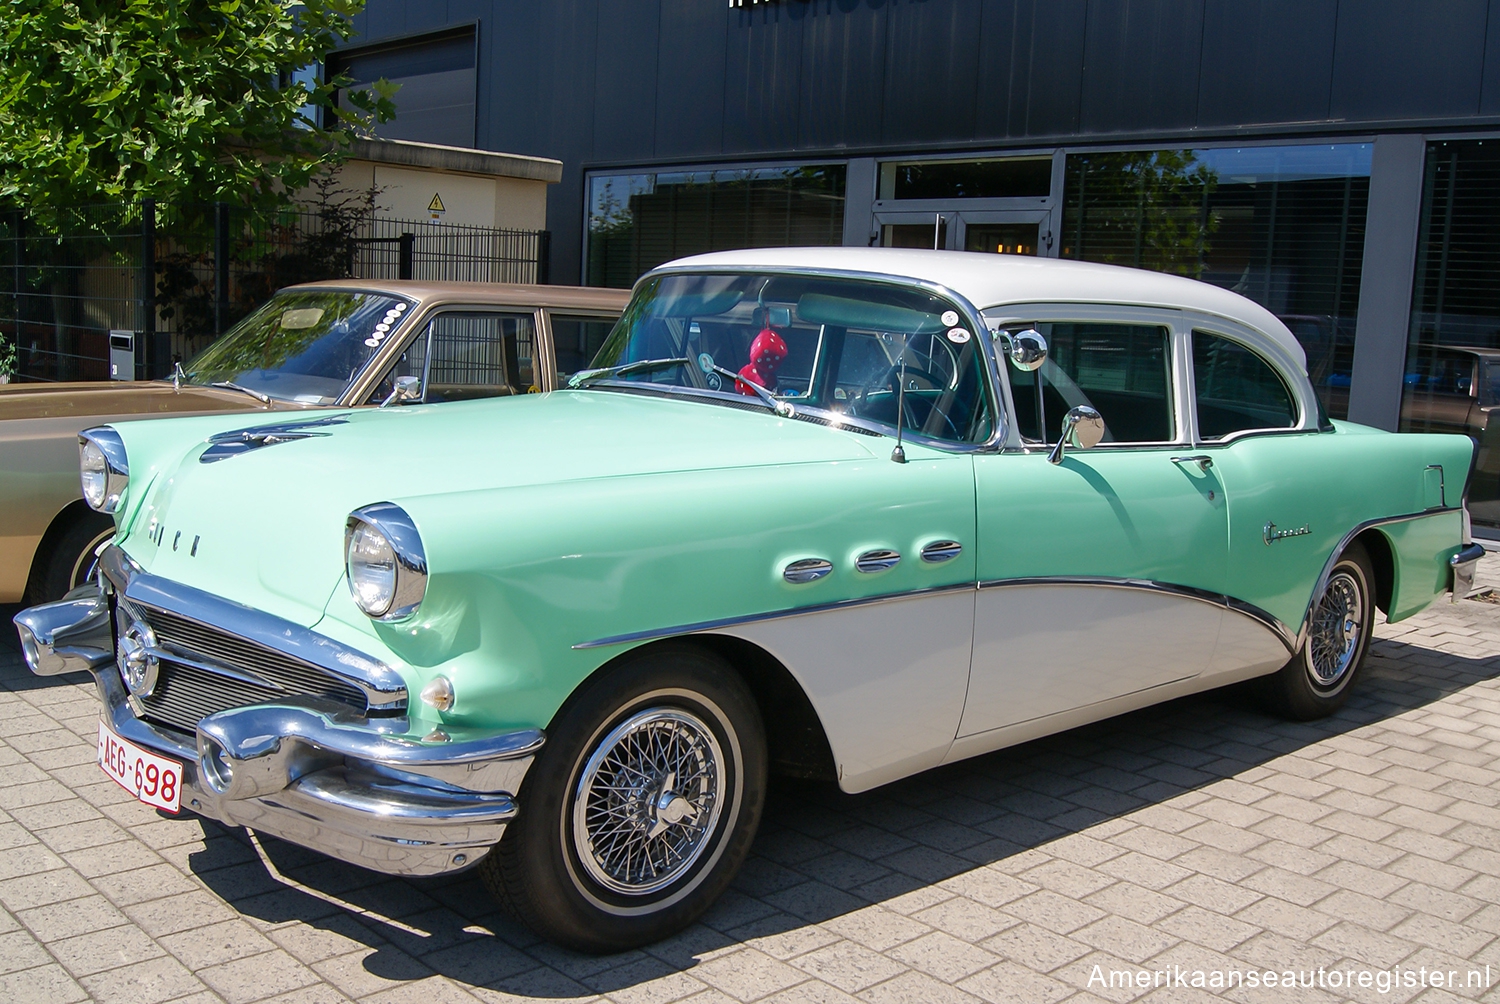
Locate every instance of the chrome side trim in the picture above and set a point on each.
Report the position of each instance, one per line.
(383, 687)
(1267, 620)
(806, 570)
(716, 625)
(879, 560)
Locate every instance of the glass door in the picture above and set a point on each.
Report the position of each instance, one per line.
(1025, 232)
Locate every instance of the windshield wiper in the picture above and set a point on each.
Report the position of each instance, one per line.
(773, 402)
(262, 398)
(586, 377)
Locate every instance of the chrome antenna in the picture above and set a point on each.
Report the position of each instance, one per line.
(898, 454)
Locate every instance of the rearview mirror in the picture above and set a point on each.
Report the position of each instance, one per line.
(1028, 349)
(1082, 429)
(407, 388)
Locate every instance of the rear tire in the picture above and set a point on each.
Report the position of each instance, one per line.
(640, 808)
(1317, 682)
(69, 561)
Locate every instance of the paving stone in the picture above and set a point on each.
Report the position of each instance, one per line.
(1200, 833)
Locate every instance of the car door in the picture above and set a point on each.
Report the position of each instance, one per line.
(1099, 575)
(465, 353)
(1291, 489)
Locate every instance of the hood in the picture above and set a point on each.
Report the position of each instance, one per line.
(116, 399)
(264, 525)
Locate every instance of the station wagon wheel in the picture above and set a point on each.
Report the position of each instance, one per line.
(641, 806)
(1337, 637)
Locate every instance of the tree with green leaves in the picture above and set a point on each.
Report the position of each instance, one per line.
(104, 101)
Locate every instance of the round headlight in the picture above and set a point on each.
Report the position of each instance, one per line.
(372, 570)
(93, 471)
(386, 565)
(102, 469)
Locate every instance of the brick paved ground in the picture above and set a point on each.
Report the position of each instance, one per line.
(1200, 835)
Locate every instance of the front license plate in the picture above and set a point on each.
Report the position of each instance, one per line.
(153, 779)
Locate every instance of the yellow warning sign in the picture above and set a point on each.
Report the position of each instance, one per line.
(436, 205)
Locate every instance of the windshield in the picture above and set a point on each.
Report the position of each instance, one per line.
(302, 345)
(842, 345)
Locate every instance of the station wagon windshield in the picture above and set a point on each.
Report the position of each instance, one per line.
(302, 345)
(867, 351)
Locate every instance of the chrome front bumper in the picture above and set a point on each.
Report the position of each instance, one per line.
(307, 770)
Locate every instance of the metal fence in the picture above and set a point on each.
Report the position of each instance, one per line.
(174, 277)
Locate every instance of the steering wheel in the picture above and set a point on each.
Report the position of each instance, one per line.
(890, 380)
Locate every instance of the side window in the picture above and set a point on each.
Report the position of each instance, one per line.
(463, 355)
(1121, 370)
(576, 340)
(1237, 390)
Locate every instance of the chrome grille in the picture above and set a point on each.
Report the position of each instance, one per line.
(186, 694)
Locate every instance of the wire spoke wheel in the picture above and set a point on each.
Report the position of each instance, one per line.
(648, 800)
(1336, 630)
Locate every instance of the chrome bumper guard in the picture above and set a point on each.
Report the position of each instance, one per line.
(1463, 564)
(307, 770)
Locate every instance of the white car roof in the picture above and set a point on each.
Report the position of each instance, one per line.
(990, 280)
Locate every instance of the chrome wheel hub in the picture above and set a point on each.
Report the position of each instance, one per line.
(1334, 635)
(647, 801)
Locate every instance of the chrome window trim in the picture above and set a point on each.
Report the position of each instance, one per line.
(998, 405)
(383, 687)
(716, 625)
(1250, 610)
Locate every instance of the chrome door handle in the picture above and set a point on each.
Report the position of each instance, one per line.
(1203, 461)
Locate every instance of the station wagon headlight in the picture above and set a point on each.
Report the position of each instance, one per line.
(102, 468)
(384, 560)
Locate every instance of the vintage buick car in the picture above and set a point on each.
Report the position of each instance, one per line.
(846, 513)
(329, 344)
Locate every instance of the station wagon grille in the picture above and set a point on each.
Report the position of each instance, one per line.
(186, 694)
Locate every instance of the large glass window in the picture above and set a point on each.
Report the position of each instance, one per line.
(1121, 370)
(1453, 355)
(459, 356)
(1282, 225)
(438, 86)
(638, 221)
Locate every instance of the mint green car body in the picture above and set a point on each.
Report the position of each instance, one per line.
(562, 530)
(977, 582)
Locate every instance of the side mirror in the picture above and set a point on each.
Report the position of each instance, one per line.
(1082, 429)
(408, 388)
(1028, 350)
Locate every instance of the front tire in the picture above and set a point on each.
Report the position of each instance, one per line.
(1317, 682)
(69, 561)
(641, 807)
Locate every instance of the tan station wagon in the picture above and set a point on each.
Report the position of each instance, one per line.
(323, 345)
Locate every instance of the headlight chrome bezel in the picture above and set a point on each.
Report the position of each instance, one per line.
(391, 524)
(107, 462)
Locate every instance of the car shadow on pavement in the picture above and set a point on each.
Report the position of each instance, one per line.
(825, 865)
